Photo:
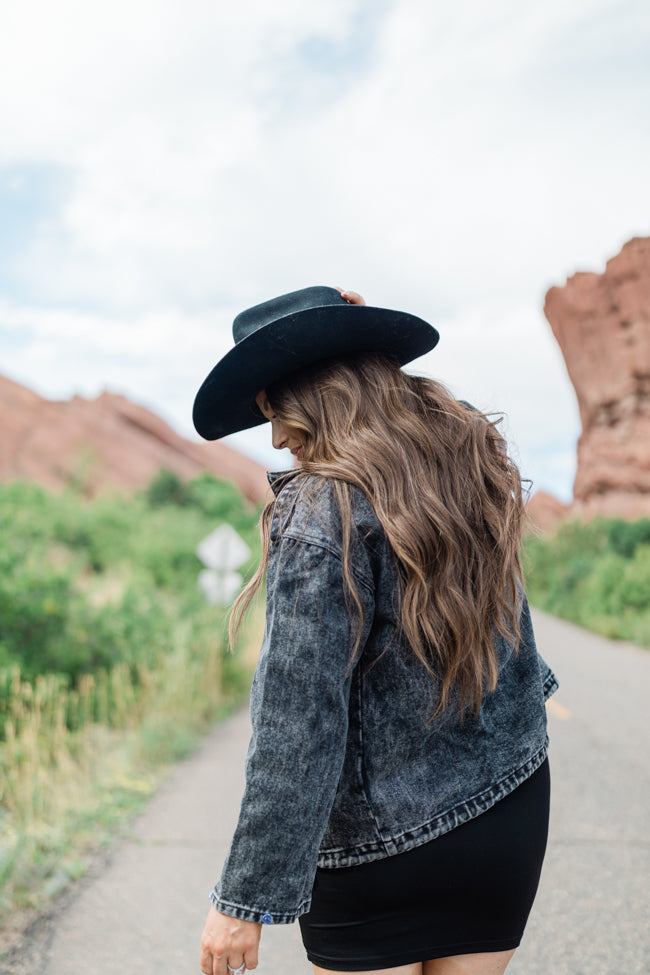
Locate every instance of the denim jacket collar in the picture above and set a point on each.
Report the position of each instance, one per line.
(277, 479)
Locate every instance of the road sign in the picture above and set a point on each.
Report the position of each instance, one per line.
(219, 587)
(223, 551)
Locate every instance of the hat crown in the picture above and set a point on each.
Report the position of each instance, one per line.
(257, 317)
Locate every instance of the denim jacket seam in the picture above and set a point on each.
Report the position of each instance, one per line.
(366, 796)
(284, 512)
(309, 539)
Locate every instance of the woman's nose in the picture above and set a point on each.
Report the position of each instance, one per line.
(279, 439)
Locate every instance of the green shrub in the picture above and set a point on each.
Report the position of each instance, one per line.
(167, 488)
(88, 585)
(34, 600)
(625, 537)
(596, 574)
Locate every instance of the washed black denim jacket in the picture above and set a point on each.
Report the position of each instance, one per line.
(344, 764)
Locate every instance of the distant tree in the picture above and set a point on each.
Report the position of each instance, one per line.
(217, 499)
(167, 488)
(626, 536)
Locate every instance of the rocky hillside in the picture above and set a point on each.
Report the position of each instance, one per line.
(602, 324)
(106, 444)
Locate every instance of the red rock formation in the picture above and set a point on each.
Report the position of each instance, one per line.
(602, 324)
(106, 444)
(545, 512)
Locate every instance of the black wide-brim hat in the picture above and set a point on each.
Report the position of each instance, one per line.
(277, 338)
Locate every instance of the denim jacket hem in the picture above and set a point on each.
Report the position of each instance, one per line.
(418, 835)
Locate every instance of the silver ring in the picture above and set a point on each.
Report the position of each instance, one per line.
(237, 971)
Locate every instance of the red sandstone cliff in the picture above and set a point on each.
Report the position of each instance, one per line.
(105, 444)
(602, 324)
(545, 513)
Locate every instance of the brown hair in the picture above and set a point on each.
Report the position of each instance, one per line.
(448, 497)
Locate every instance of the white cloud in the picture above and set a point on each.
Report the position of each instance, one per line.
(441, 162)
(78, 69)
(159, 359)
(454, 160)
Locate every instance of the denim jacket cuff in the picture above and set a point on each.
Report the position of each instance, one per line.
(257, 915)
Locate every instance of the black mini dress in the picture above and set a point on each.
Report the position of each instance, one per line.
(469, 890)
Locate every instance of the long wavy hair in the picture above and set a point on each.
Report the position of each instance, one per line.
(438, 476)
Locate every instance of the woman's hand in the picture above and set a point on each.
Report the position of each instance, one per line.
(228, 941)
(352, 297)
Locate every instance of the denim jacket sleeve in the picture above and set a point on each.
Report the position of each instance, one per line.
(299, 711)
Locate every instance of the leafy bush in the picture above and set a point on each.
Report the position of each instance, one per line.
(87, 585)
(596, 574)
(34, 601)
(167, 488)
(625, 537)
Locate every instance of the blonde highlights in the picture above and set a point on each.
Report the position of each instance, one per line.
(448, 497)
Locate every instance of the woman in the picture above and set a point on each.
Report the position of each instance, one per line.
(397, 783)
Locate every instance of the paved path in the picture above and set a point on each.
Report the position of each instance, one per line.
(144, 911)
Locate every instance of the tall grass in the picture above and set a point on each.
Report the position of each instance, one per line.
(75, 762)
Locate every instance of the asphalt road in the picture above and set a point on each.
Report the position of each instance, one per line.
(143, 911)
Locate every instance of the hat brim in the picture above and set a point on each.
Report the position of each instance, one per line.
(225, 403)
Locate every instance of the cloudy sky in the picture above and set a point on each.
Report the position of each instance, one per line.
(165, 164)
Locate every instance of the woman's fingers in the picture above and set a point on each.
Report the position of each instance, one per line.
(352, 297)
(213, 959)
(207, 961)
(250, 959)
(228, 941)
